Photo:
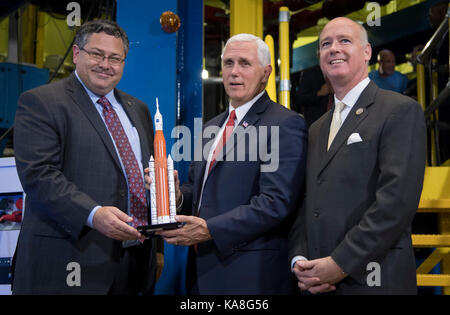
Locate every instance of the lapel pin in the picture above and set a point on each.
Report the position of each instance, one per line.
(359, 111)
(245, 124)
(129, 103)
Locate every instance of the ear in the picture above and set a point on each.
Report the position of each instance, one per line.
(75, 52)
(267, 72)
(367, 53)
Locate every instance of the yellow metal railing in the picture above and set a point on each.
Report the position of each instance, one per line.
(421, 98)
(436, 99)
(434, 131)
(436, 188)
(271, 87)
(285, 83)
(435, 199)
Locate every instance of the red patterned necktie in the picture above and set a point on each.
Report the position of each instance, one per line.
(225, 136)
(136, 191)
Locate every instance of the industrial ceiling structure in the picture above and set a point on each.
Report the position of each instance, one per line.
(412, 25)
(307, 19)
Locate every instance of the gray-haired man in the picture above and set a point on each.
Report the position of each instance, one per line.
(239, 210)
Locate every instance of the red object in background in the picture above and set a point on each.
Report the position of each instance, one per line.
(19, 204)
(16, 216)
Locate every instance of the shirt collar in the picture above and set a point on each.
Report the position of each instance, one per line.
(242, 110)
(352, 96)
(94, 97)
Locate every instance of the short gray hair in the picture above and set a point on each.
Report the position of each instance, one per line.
(262, 48)
(101, 26)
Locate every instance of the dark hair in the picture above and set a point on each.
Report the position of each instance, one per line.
(101, 26)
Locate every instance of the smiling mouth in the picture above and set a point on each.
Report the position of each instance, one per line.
(102, 74)
(333, 62)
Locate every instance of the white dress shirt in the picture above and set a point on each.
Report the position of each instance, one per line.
(351, 98)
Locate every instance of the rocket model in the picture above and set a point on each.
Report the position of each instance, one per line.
(162, 187)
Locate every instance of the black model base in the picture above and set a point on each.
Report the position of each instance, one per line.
(149, 230)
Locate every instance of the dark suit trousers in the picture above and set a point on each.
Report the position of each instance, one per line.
(136, 276)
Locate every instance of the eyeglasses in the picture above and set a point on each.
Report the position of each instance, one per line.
(99, 57)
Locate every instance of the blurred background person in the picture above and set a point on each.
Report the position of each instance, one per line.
(386, 77)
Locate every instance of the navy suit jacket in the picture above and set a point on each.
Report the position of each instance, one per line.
(248, 211)
(361, 197)
(67, 165)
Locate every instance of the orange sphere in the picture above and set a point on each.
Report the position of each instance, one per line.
(170, 22)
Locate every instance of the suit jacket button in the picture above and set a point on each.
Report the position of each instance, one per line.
(122, 193)
(316, 214)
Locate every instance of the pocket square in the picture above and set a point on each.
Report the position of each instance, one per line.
(354, 137)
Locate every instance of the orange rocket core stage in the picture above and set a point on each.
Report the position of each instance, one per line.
(161, 176)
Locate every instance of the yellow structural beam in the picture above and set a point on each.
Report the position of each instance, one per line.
(434, 79)
(421, 85)
(434, 93)
(28, 22)
(429, 263)
(246, 16)
(431, 240)
(271, 85)
(442, 205)
(4, 33)
(433, 280)
(285, 83)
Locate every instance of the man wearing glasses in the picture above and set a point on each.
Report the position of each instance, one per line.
(80, 144)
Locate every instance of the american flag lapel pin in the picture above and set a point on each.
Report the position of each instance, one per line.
(245, 124)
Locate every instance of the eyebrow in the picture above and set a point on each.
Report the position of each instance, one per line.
(103, 52)
(337, 36)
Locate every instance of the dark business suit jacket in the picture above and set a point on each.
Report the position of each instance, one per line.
(248, 212)
(362, 197)
(67, 165)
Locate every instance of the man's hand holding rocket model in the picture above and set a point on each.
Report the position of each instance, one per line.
(195, 229)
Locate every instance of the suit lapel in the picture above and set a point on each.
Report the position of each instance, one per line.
(250, 119)
(84, 102)
(324, 131)
(218, 122)
(357, 114)
(199, 167)
(130, 108)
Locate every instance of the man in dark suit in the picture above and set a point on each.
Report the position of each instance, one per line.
(80, 144)
(242, 197)
(365, 170)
